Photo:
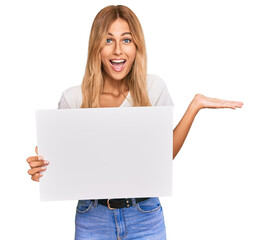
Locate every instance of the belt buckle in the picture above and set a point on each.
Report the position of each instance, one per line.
(108, 204)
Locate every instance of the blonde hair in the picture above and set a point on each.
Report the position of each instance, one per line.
(93, 81)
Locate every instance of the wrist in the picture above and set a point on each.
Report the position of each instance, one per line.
(196, 103)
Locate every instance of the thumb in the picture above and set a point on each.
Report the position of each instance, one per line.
(36, 150)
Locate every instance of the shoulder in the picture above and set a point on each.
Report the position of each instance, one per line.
(157, 91)
(71, 98)
(155, 82)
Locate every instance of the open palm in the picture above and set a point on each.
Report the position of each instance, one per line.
(207, 102)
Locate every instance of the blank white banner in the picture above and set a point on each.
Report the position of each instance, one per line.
(102, 153)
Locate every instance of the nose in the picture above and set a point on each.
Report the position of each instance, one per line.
(117, 49)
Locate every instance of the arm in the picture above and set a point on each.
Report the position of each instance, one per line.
(199, 101)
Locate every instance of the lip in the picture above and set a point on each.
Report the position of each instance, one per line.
(115, 68)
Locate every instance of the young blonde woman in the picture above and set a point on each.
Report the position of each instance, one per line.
(115, 76)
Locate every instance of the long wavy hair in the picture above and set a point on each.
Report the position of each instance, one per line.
(93, 81)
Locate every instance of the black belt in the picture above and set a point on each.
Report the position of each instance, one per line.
(119, 203)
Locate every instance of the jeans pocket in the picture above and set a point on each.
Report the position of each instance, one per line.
(84, 206)
(149, 205)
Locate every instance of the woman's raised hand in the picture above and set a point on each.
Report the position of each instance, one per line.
(38, 166)
(202, 101)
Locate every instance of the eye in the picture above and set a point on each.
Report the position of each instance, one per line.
(108, 40)
(127, 40)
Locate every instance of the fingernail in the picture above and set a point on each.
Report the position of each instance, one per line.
(40, 174)
(43, 168)
(40, 158)
(46, 162)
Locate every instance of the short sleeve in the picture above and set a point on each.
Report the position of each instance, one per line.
(71, 98)
(63, 104)
(164, 99)
(158, 92)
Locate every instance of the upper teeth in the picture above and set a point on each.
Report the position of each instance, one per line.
(118, 61)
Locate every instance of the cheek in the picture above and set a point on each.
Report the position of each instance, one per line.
(132, 55)
(104, 55)
(102, 59)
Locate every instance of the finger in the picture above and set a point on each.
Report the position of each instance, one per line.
(33, 171)
(235, 105)
(238, 104)
(34, 158)
(232, 106)
(36, 150)
(38, 163)
(229, 104)
(36, 177)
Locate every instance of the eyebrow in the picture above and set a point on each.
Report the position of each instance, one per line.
(121, 34)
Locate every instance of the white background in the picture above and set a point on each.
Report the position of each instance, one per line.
(216, 48)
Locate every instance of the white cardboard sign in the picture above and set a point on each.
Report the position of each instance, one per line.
(100, 153)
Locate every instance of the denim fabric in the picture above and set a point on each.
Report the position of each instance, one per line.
(143, 220)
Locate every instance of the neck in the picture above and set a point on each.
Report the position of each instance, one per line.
(115, 87)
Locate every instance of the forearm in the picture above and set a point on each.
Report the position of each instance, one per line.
(199, 101)
(181, 130)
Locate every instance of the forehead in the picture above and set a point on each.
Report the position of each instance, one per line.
(118, 27)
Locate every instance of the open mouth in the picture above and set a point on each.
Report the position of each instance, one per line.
(118, 64)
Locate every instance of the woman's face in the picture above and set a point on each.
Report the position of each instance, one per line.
(118, 54)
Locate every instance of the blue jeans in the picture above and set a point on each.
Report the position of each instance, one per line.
(143, 220)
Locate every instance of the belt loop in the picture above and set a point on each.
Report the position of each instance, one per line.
(133, 202)
(95, 203)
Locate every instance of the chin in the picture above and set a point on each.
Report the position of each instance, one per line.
(118, 77)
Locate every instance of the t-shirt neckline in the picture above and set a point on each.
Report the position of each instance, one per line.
(125, 99)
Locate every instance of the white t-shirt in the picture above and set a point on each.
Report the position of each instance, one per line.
(157, 92)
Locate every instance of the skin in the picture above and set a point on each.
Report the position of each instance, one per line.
(119, 45)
